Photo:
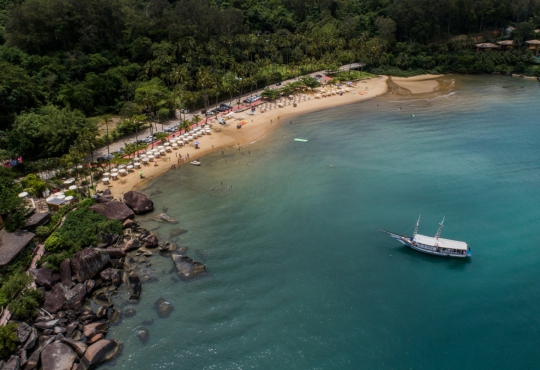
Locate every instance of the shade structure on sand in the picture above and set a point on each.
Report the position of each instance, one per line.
(106, 174)
(121, 167)
(137, 164)
(123, 171)
(208, 132)
(145, 160)
(73, 187)
(162, 152)
(129, 168)
(24, 194)
(105, 180)
(114, 176)
(69, 198)
(60, 196)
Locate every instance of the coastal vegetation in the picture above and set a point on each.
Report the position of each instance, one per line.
(65, 63)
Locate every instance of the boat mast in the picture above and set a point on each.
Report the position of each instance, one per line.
(440, 229)
(416, 228)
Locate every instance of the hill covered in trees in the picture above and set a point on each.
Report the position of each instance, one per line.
(62, 61)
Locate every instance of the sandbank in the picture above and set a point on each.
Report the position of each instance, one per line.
(418, 84)
(228, 137)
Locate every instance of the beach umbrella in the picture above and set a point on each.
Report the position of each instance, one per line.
(168, 149)
(121, 167)
(106, 174)
(208, 132)
(129, 168)
(73, 187)
(69, 198)
(145, 160)
(137, 164)
(160, 147)
(161, 152)
(24, 194)
(175, 145)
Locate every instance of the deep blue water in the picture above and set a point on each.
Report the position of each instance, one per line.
(299, 275)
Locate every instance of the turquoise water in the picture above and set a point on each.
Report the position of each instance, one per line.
(299, 275)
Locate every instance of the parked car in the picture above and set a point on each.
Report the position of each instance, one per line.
(278, 84)
(222, 109)
(203, 111)
(318, 76)
(225, 106)
(211, 112)
(140, 142)
(265, 88)
(105, 158)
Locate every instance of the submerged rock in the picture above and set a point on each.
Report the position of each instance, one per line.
(163, 307)
(176, 232)
(134, 286)
(130, 312)
(163, 217)
(143, 334)
(187, 267)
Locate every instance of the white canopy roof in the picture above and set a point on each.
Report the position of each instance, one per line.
(443, 243)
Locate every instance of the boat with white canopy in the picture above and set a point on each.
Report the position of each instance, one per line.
(433, 245)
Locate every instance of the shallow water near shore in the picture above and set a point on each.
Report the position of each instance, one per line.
(299, 275)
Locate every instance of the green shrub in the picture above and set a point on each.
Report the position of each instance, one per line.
(54, 260)
(24, 307)
(8, 339)
(14, 284)
(54, 242)
(42, 231)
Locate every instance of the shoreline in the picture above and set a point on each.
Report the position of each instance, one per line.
(227, 137)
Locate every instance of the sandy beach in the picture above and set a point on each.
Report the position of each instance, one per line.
(418, 84)
(228, 137)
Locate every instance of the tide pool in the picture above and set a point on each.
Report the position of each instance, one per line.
(299, 275)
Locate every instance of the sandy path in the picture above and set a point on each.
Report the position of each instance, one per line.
(418, 84)
(257, 126)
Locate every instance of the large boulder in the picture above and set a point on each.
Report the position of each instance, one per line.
(43, 325)
(77, 345)
(130, 245)
(95, 328)
(186, 267)
(88, 263)
(113, 210)
(65, 273)
(58, 356)
(75, 297)
(151, 241)
(134, 286)
(13, 363)
(138, 202)
(101, 351)
(45, 277)
(63, 297)
(23, 331)
(112, 252)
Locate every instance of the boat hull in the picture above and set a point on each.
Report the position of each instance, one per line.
(407, 241)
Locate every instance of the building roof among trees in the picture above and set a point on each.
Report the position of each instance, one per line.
(487, 45)
(533, 42)
(12, 244)
(506, 42)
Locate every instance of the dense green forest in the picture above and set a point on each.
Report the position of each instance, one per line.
(63, 61)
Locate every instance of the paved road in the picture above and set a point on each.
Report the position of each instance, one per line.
(116, 145)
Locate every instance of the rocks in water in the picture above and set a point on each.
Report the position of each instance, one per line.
(182, 250)
(101, 298)
(88, 263)
(23, 331)
(163, 217)
(113, 210)
(129, 224)
(200, 255)
(143, 334)
(112, 252)
(130, 245)
(167, 247)
(151, 241)
(107, 274)
(163, 307)
(176, 232)
(101, 351)
(95, 328)
(95, 338)
(58, 356)
(130, 312)
(148, 322)
(78, 346)
(138, 202)
(45, 277)
(134, 286)
(115, 316)
(186, 267)
(65, 272)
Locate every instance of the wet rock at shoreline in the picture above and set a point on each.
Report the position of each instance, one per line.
(58, 356)
(101, 351)
(78, 346)
(138, 202)
(113, 210)
(143, 334)
(130, 312)
(182, 250)
(134, 286)
(151, 241)
(130, 245)
(88, 263)
(187, 267)
(95, 328)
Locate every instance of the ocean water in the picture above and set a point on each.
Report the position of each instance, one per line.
(299, 275)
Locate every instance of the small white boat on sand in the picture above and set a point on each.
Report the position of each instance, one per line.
(195, 163)
(433, 245)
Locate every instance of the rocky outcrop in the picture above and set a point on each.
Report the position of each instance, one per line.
(13, 363)
(45, 277)
(138, 202)
(88, 263)
(113, 210)
(78, 346)
(163, 307)
(130, 245)
(65, 272)
(101, 351)
(23, 331)
(129, 224)
(58, 356)
(143, 334)
(151, 241)
(95, 328)
(63, 297)
(186, 267)
(134, 286)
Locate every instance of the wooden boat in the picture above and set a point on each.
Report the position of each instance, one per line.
(433, 245)
(195, 163)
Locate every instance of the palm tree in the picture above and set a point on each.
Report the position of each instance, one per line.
(105, 120)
